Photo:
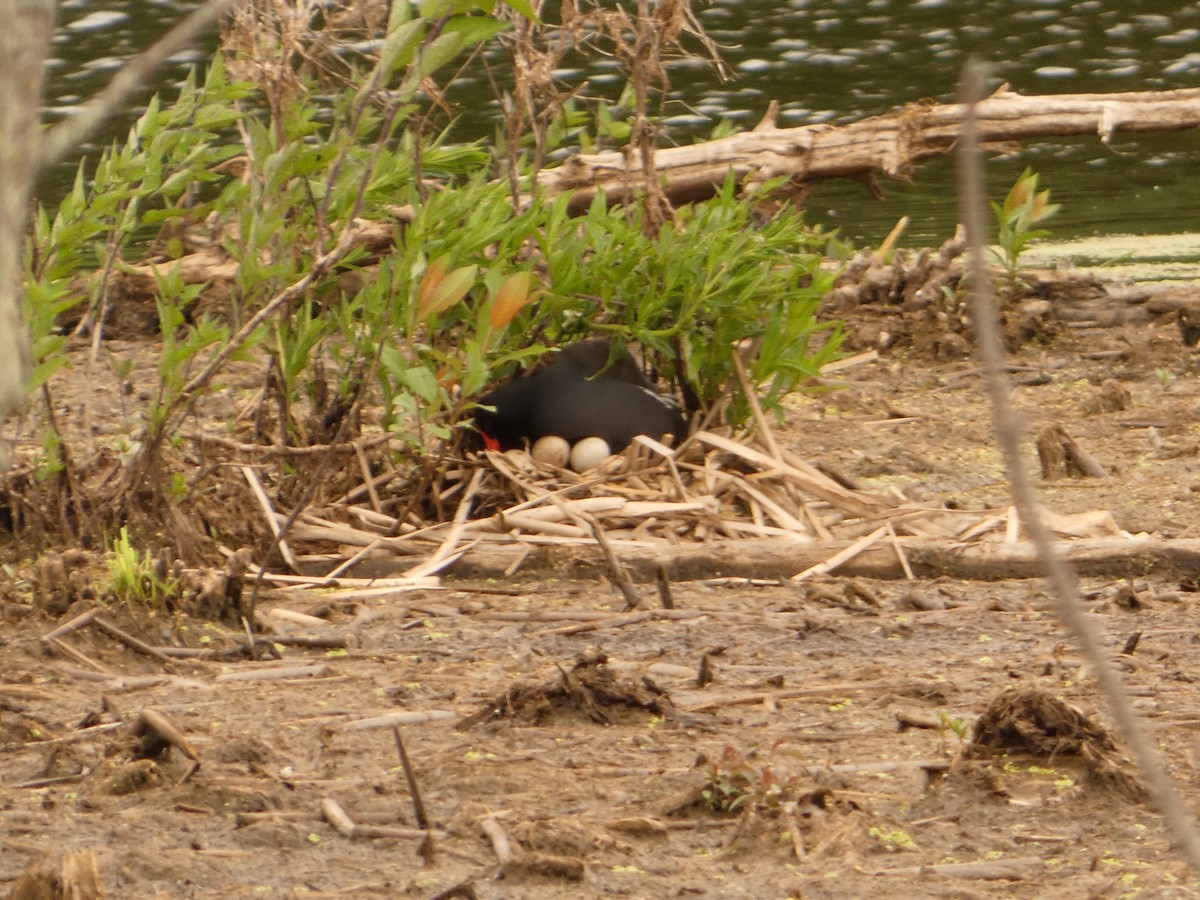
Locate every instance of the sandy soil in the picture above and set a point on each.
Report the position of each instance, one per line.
(835, 717)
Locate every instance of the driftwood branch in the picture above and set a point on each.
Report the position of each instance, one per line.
(891, 143)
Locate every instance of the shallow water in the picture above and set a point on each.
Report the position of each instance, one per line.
(837, 61)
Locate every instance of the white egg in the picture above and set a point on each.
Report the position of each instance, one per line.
(589, 453)
(551, 449)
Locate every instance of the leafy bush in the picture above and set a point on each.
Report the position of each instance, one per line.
(472, 287)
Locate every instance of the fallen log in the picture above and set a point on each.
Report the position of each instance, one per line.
(773, 559)
(892, 143)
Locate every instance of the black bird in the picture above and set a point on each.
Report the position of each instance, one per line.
(579, 394)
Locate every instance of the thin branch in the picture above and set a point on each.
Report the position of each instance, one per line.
(1062, 581)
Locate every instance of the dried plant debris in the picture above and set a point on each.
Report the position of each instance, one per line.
(648, 501)
(118, 778)
(59, 580)
(1032, 721)
(1038, 723)
(216, 594)
(1111, 776)
(590, 689)
(73, 875)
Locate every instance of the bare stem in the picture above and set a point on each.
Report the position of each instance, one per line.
(1064, 590)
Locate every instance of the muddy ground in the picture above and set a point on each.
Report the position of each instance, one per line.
(769, 740)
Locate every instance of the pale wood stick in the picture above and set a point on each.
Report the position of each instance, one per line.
(890, 241)
(546, 615)
(81, 734)
(668, 456)
(381, 521)
(277, 674)
(332, 812)
(499, 839)
(756, 512)
(374, 483)
(280, 450)
(751, 396)
(902, 420)
(47, 782)
(849, 362)
(410, 777)
(349, 563)
(412, 717)
(129, 640)
(141, 682)
(512, 567)
(375, 817)
(782, 517)
(539, 526)
(340, 534)
(297, 618)
(832, 492)
(78, 655)
(578, 540)
(629, 619)
(321, 581)
(445, 555)
(76, 623)
(796, 694)
(618, 571)
(737, 525)
(347, 595)
(982, 527)
(985, 870)
(837, 559)
(900, 555)
(818, 526)
(634, 509)
(397, 831)
(365, 468)
(272, 522)
(557, 510)
(162, 726)
(619, 575)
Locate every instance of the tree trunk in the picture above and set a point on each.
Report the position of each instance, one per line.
(24, 42)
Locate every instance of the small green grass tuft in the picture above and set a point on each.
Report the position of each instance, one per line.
(135, 577)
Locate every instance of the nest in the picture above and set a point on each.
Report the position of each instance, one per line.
(648, 500)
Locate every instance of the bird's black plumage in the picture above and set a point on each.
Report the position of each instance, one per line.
(579, 394)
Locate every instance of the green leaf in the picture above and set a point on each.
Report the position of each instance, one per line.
(433, 9)
(398, 49)
(398, 14)
(476, 29)
(440, 51)
(524, 8)
(422, 382)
